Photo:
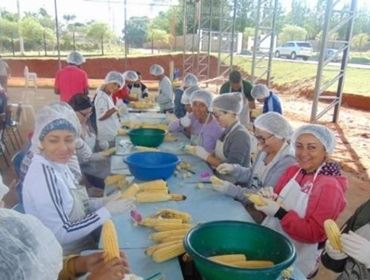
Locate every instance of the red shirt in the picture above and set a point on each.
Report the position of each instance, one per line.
(70, 81)
(123, 94)
(326, 201)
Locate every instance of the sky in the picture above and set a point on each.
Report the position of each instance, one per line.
(110, 11)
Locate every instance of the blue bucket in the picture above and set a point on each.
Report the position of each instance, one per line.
(147, 166)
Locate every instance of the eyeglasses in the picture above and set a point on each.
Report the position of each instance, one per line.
(85, 114)
(218, 114)
(263, 140)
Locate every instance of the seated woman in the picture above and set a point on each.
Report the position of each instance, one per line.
(189, 81)
(50, 191)
(354, 260)
(234, 144)
(271, 102)
(273, 133)
(107, 119)
(204, 129)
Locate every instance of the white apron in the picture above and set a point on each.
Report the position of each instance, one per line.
(219, 149)
(135, 92)
(294, 199)
(90, 140)
(78, 212)
(197, 140)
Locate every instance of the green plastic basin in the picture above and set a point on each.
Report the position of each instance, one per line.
(234, 237)
(147, 137)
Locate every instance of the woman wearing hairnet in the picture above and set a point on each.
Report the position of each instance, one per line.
(275, 155)
(190, 80)
(137, 87)
(165, 97)
(107, 119)
(306, 195)
(354, 260)
(234, 144)
(271, 102)
(203, 127)
(50, 191)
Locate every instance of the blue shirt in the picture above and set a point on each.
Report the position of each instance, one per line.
(179, 107)
(272, 104)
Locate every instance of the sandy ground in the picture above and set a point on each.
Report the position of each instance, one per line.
(352, 130)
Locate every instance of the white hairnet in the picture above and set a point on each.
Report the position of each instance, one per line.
(321, 132)
(59, 113)
(185, 98)
(260, 91)
(130, 76)
(202, 96)
(75, 58)
(3, 189)
(28, 249)
(275, 124)
(190, 80)
(114, 77)
(230, 102)
(156, 70)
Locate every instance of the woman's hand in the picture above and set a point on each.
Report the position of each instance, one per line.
(112, 270)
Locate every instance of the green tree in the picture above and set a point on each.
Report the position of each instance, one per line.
(159, 38)
(360, 41)
(292, 32)
(98, 33)
(8, 32)
(137, 31)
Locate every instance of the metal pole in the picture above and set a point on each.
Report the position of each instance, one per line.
(343, 65)
(273, 34)
(21, 43)
(210, 37)
(233, 35)
(57, 33)
(221, 26)
(125, 21)
(328, 12)
(256, 39)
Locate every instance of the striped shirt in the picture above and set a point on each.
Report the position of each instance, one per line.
(47, 195)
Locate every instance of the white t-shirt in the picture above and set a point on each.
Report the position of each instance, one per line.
(165, 94)
(107, 129)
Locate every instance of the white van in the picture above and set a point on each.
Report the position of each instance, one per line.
(294, 49)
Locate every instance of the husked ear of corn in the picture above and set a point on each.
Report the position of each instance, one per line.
(168, 252)
(150, 250)
(151, 222)
(155, 184)
(163, 191)
(178, 237)
(121, 132)
(159, 126)
(177, 197)
(216, 181)
(145, 149)
(130, 192)
(169, 137)
(174, 214)
(169, 226)
(333, 234)
(110, 241)
(146, 197)
(114, 179)
(256, 199)
(254, 264)
(109, 152)
(162, 235)
(228, 258)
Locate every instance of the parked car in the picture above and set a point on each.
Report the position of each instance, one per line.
(333, 53)
(294, 49)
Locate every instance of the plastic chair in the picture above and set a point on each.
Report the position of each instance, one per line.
(13, 124)
(30, 77)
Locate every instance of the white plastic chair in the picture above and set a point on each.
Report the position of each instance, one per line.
(30, 77)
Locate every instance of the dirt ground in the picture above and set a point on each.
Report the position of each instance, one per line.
(352, 130)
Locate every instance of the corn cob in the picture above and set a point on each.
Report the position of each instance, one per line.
(228, 258)
(145, 197)
(169, 252)
(121, 132)
(169, 137)
(162, 235)
(169, 226)
(114, 179)
(110, 241)
(177, 197)
(172, 238)
(333, 234)
(109, 152)
(158, 126)
(155, 184)
(163, 191)
(146, 149)
(190, 149)
(216, 181)
(130, 192)
(174, 214)
(151, 222)
(150, 250)
(253, 264)
(256, 199)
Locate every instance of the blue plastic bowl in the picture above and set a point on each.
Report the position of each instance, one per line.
(151, 165)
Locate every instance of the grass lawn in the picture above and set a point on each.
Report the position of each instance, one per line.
(283, 72)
